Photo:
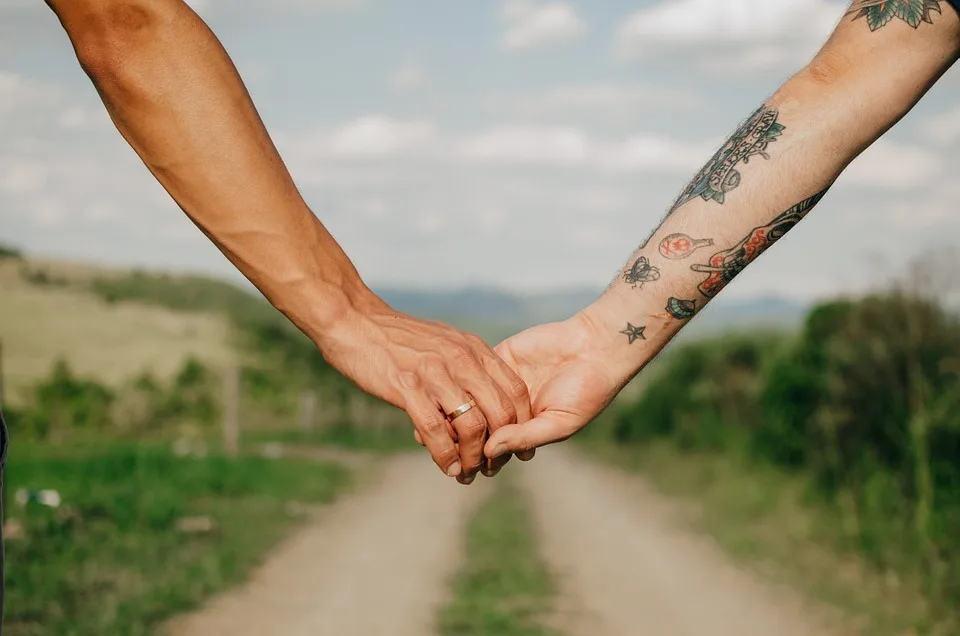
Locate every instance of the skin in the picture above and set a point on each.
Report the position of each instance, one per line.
(176, 97)
(866, 77)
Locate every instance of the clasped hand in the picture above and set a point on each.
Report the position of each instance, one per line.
(538, 387)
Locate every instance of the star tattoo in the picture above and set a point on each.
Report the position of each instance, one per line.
(634, 333)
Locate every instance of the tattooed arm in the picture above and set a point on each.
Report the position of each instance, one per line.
(881, 59)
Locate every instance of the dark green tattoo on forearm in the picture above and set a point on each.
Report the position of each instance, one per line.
(879, 13)
(720, 176)
(681, 309)
(724, 266)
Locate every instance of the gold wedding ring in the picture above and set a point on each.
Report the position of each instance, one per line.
(460, 410)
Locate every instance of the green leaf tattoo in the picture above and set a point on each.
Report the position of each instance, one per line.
(879, 13)
(720, 175)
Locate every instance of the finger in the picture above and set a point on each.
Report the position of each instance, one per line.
(510, 384)
(498, 411)
(540, 431)
(526, 456)
(493, 466)
(471, 429)
(419, 440)
(432, 428)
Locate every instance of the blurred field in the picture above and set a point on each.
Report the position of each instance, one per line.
(106, 341)
(142, 533)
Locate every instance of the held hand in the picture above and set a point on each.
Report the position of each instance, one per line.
(429, 370)
(569, 380)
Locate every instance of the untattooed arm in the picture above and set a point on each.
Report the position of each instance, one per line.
(176, 97)
(771, 172)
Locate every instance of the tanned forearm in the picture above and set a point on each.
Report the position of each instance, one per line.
(176, 97)
(773, 171)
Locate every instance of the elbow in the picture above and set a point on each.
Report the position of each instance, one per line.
(828, 68)
(110, 35)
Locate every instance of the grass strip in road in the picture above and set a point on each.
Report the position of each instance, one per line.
(504, 588)
(118, 556)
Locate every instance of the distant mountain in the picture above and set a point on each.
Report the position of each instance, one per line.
(494, 311)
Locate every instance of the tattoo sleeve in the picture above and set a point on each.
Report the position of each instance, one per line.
(758, 185)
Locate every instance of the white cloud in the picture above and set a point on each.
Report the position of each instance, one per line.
(372, 136)
(22, 177)
(409, 77)
(308, 7)
(752, 59)
(550, 145)
(596, 99)
(942, 129)
(893, 166)
(532, 25)
(567, 146)
(19, 94)
(80, 118)
(651, 153)
(733, 35)
(379, 136)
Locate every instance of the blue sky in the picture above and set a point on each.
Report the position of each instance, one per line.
(520, 143)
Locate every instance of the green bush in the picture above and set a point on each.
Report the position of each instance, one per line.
(64, 403)
(702, 393)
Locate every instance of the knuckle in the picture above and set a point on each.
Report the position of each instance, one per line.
(518, 390)
(410, 381)
(460, 354)
(445, 456)
(472, 426)
(434, 425)
(477, 342)
(506, 414)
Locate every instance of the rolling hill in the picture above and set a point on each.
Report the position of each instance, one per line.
(112, 324)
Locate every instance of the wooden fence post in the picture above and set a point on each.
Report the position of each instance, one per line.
(231, 410)
(4, 492)
(308, 409)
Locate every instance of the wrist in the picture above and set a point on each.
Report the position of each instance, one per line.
(628, 329)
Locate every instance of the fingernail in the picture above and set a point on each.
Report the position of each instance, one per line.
(498, 451)
(454, 470)
(469, 479)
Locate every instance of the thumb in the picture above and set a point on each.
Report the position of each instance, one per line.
(544, 429)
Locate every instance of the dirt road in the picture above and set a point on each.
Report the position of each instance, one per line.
(626, 567)
(374, 564)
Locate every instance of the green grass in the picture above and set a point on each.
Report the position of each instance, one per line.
(772, 522)
(504, 588)
(388, 439)
(111, 561)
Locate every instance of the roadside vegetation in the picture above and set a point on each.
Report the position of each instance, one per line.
(122, 505)
(841, 441)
